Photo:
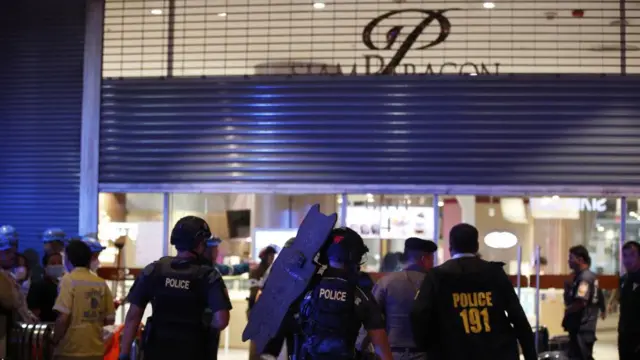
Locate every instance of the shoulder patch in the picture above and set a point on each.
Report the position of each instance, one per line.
(583, 289)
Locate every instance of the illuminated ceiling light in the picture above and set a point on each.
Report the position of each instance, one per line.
(440, 203)
(488, 5)
(222, 14)
(473, 74)
(500, 240)
(319, 5)
(156, 11)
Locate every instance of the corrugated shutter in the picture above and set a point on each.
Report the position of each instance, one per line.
(42, 44)
(484, 130)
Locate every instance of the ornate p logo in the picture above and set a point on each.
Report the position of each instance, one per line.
(393, 34)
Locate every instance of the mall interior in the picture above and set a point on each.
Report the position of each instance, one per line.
(507, 225)
(519, 117)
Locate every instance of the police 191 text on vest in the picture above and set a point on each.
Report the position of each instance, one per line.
(177, 284)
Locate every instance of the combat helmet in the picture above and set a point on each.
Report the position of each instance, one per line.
(346, 246)
(188, 232)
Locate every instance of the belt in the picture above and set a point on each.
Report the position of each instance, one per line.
(399, 349)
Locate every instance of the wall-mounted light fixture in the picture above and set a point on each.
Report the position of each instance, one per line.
(500, 240)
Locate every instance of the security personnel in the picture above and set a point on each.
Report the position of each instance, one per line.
(96, 248)
(581, 314)
(395, 293)
(211, 254)
(11, 298)
(53, 241)
(188, 297)
(629, 323)
(332, 312)
(10, 234)
(467, 308)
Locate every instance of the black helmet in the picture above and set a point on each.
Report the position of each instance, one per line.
(346, 246)
(189, 232)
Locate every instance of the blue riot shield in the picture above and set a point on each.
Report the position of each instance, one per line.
(290, 277)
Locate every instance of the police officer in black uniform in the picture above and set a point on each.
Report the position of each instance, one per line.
(629, 296)
(332, 312)
(467, 308)
(187, 295)
(581, 314)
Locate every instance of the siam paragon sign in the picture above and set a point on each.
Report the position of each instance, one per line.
(376, 64)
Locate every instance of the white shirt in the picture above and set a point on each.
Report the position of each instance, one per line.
(463, 255)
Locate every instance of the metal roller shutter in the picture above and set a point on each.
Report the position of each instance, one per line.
(42, 44)
(401, 131)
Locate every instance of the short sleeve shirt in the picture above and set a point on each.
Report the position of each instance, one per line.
(87, 300)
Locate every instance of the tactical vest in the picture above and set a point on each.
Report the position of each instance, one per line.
(327, 319)
(179, 302)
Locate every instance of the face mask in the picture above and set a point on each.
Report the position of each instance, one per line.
(95, 264)
(20, 273)
(54, 271)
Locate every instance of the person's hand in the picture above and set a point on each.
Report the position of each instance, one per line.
(603, 315)
(29, 317)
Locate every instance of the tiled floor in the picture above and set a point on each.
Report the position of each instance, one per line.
(605, 349)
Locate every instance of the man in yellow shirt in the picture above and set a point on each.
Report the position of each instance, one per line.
(84, 306)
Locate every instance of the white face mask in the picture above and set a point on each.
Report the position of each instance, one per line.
(55, 271)
(20, 273)
(95, 264)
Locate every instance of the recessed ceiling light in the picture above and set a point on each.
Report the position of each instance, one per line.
(222, 14)
(156, 11)
(488, 5)
(318, 5)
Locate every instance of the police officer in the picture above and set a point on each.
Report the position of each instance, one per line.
(629, 323)
(96, 248)
(581, 314)
(467, 308)
(10, 233)
(332, 312)
(188, 297)
(53, 240)
(211, 254)
(395, 293)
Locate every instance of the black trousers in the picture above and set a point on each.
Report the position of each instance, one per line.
(581, 345)
(629, 346)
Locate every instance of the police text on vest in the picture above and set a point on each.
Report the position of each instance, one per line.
(177, 284)
(333, 295)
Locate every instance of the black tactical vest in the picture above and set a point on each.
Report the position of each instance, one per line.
(179, 302)
(327, 319)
